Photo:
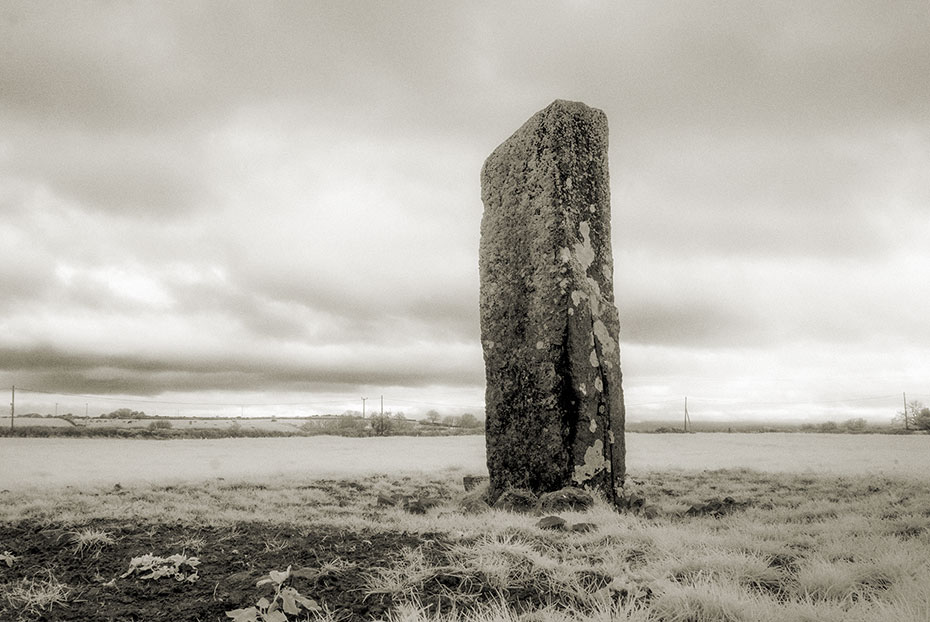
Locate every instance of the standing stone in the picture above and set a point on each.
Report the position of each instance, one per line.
(549, 325)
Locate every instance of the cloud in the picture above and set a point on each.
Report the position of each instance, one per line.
(285, 196)
(242, 366)
(719, 302)
(148, 176)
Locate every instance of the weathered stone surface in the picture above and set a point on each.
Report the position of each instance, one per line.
(549, 325)
(516, 500)
(569, 498)
(556, 523)
(632, 501)
(474, 505)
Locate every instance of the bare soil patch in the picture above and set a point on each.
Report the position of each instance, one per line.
(232, 559)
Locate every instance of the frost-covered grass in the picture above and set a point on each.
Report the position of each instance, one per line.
(803, 548)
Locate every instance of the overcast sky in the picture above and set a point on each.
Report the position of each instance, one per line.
(279, 203)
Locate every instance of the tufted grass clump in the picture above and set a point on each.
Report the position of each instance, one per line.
(36, 595)
(90, 541)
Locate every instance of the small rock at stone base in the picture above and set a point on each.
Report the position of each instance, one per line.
(556, 523)
(473, 481)
(568, 498)
(516, 500)
(584, 527)
(419, 505)
(651, 511)
(633, 501)
(474, 505)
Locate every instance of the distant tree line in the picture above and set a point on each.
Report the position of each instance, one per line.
(126, 413)
(915, 416)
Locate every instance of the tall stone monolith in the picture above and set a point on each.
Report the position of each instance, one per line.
(549, 325)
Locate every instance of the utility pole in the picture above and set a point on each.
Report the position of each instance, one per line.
(379, 428)
(905, 411)
(12, 407)
(687, 418)
(363, 407)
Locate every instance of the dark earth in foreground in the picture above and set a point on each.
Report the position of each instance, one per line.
(232, 560)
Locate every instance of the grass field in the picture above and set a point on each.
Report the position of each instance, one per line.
(26, 462)
(795, 546)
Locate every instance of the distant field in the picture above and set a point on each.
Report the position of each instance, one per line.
(26, 462)
(36, 422)
(265, 424)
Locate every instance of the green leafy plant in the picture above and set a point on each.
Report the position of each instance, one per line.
(286, 600)
(158, 567)
(8, 558)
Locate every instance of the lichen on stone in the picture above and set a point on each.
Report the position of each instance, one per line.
(584, 252)
(594, 462)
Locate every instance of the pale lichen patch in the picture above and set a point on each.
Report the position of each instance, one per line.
(565, 255)
(599, 385)
(584, 252)
(594, 287)
(594, 461)
(603, 336)
(583, 389)
(593, 358)
(593, 426)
